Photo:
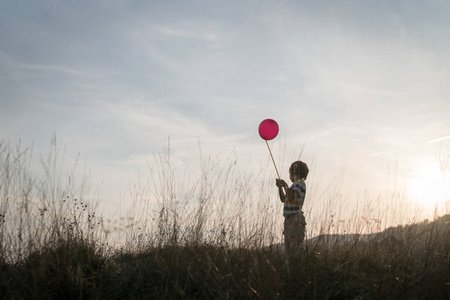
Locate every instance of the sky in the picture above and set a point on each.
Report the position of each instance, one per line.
(358, 88)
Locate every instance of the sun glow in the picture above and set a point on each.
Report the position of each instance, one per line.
(430, 184)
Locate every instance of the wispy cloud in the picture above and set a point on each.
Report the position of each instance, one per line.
(382, 153)
(54, 68)
(438, 139)
(361, 83)
(194, 32)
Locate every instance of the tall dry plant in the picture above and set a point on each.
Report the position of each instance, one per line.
(41, 208)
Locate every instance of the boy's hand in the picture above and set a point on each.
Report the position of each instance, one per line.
(281, 183)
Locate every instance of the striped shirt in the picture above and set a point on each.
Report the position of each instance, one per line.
(295, 206)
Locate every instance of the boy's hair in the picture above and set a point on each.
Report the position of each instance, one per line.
(300, 169)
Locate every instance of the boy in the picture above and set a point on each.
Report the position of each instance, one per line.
(293, 198)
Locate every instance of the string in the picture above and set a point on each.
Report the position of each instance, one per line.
(273, 159)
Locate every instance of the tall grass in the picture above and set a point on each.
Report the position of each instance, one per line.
(214, 233)
(41, 209)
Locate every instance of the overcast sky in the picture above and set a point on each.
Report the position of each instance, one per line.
(363, 86)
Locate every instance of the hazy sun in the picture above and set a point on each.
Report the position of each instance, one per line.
(429, 184)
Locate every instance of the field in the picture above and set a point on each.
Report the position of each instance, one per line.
(182, 244)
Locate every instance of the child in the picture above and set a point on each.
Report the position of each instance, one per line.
(293, 198)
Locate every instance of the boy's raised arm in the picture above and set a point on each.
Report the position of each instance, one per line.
(280, 184)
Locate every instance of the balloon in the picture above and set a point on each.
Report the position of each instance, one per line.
(268, 129)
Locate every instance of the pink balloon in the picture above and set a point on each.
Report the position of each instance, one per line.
(268, 129)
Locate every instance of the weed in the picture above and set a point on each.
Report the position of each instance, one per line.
(203, 237)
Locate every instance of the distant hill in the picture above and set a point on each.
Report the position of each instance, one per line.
(392, 238)
(417, 235)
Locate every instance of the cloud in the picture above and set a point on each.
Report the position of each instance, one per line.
(196, 32)
(360, 83)
(438, 140)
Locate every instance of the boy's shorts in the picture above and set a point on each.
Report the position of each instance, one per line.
(294, 230)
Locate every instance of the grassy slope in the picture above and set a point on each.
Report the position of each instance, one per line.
(416, 269)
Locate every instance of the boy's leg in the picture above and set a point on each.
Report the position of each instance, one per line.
(287, 243)
(301, 228)
(294, 232)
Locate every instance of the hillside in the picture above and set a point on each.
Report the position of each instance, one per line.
(404, 262)
(416, 235)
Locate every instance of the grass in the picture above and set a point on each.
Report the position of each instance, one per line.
(185, 241)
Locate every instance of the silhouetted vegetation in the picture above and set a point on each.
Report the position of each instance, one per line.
(54, 247)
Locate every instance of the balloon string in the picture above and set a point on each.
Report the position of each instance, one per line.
(273, 159)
